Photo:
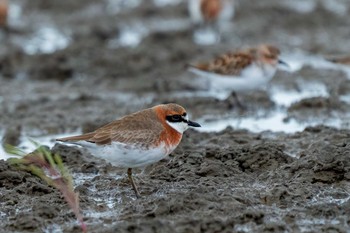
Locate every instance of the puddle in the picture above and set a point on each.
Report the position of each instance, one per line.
(117, 6)
(335, 6)
(162, 3)
(45, 40)
(300, 6)
(274, 122)
(345, 98)
(132, 34)
(129, 36)
(285, 98)
(108, 197)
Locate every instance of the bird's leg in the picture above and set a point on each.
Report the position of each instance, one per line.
(233, 100)
(216, 27)
(132, 183)
(238, 102)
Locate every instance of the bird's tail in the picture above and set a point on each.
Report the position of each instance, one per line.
(83, 137)
(199, 66)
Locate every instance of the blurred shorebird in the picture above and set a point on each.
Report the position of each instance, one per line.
(240, 71)
(211, 18)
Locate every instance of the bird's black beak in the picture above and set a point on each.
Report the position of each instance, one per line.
(193, 124)
(283, 63)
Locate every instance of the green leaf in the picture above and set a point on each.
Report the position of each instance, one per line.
(14, 150)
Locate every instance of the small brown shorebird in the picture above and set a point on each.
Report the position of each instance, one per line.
(138, 139)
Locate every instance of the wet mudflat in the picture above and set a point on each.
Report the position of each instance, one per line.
(282, 165)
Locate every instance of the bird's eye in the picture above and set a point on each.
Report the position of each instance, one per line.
(184, 114)
(176, 117)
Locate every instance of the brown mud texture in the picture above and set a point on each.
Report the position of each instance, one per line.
(228, 181)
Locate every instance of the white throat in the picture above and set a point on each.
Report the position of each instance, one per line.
(269, 70)
(180, 127)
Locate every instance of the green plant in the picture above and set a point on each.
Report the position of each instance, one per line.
(50, 168)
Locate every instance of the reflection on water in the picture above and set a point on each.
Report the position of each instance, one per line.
(132, 34)
(56, 228)
(206, 36)
(162, 3)
(167, 25)
(129, 36)
(285, 98)
(338, 7)
(46, 40)
(276, 122)
(300, 6)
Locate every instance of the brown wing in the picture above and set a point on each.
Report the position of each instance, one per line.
(141, 128)
(227, 64)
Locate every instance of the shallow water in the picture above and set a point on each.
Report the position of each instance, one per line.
(45, 40)
(300, 59)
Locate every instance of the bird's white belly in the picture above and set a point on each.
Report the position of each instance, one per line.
(251, 78)
(130, 156)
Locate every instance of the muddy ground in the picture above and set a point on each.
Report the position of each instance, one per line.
(229, 181)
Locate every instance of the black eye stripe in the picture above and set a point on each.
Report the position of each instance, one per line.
(175, 118)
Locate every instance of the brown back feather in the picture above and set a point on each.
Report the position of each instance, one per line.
(141, 128)
(227, 64)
